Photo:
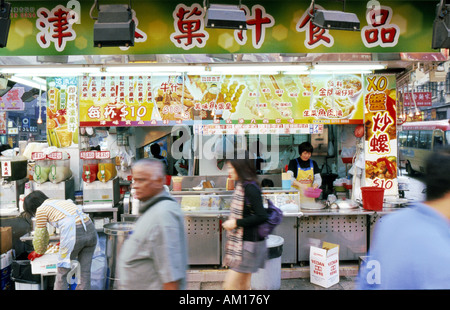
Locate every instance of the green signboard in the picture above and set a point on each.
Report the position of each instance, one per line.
(178, 27)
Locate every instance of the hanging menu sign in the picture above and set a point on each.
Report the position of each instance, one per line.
(116, 101)
(62, 111)
(380, 133)
(230, 99)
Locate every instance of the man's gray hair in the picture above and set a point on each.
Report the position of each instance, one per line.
(155, 165)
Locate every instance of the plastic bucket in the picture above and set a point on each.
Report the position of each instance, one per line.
(372, 198)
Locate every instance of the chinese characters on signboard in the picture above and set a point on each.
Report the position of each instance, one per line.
(12, 100)
(62, 111)
(60, 26)
(115, 101)
(420, 99)
(380, 133)
(3, 120)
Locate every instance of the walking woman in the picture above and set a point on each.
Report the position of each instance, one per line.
(245, 251)
(78, 237)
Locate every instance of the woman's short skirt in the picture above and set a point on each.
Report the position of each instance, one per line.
(254, 256)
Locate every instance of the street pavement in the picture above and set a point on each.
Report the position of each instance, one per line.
(416, 188)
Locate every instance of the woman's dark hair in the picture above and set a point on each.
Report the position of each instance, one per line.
(267, 183)
(305, 147)
(437, 176)
(4, 147)
(155, 149)
(245, 166)
(33, 201)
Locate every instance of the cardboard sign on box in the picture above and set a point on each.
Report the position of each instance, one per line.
(324, 264)
(6, 239)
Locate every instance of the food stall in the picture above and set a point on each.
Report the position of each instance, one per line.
(133, 103)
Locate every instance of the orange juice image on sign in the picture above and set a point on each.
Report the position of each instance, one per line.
(64, 136)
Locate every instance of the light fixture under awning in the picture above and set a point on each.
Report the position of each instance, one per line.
(334, 20)
(49, 71)
(225, 16)
(38, 84)
(348, 67)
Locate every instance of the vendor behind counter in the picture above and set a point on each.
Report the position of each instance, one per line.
(306, 171)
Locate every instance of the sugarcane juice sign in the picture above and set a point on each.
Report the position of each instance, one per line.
(380, 133)
(62, 111)
(230, 99)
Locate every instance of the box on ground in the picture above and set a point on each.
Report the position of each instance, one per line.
(19, 286)
(324, 264)
(5, 271)
(6, 239)
(45, 264)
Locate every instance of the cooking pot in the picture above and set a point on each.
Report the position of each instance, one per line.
(18, 166)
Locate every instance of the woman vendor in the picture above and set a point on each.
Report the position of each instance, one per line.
(306, 171)
(78, 237)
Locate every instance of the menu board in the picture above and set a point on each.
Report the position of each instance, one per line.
(221, 99)
(380, 133)
(62, 111)
(115, 101)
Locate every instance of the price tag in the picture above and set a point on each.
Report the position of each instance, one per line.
(38, 156)
(102, 155)
(6, 168)
(55, 156)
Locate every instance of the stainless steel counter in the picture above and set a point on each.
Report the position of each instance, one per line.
(350, 228)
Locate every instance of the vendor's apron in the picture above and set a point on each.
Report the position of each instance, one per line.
(306, 177)
(67, 228)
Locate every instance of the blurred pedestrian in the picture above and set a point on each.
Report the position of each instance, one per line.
(411, 247)
(78, 237)
(155, 255)
(245, 251)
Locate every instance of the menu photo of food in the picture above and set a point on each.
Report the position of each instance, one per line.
(173, 99)
(216, 96)
(383, 168)
(335, 98)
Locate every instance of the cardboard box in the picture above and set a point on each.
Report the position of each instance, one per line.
(5, 271)
(324, 264)
(6, 239)
(45, 264)
(19, 286)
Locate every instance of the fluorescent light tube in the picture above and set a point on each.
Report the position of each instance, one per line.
(257, 69)
(135, 73)
(28, 82)
(153, 69)
(348, 67)
(327, 72)
(49, 71)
